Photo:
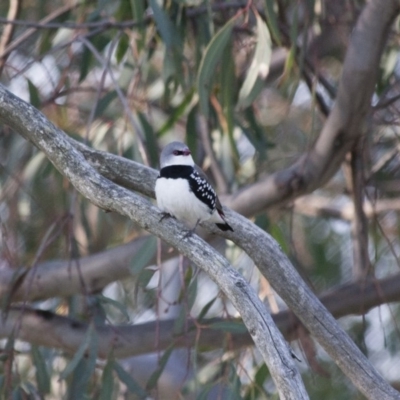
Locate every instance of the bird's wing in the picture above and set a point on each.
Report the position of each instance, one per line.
(218, 205)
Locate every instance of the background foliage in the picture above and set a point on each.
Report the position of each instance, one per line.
(248, 86)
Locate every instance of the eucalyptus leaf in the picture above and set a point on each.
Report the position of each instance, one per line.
(144, 255)
(130, 383)
(259, 67)
(212, 55)
(79, 353)
(107, 381)
(152, 382)
(34, 96)
(229, 326)
(42, 374)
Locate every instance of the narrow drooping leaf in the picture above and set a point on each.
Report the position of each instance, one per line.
(212, 55)
(138, 11)
(259, 66)
(79, 353)
(191, 293)
(151, 139)
(206, 308)
(144, 255)
(130, 383)
(116, 304)
(228, 90)
(191, 129)
(176, 114)
(272, 19)
(104, 102)
(42, 374)
(165, 26)
(152, 382)
(122, 47)
(229, 326)
(34, 97)
(107, 381)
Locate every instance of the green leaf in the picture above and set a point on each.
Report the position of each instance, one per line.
(165, 26)
(123, 45)
(79, 353)
(191, 130)
(272, 20)
(209, 62)
(138, 11)
(130, 383)
(42, 374)
(229, 326)
(176, 114)
(256, 390)
(91, 359)
(180, 322)
(99, 42)
(191, 293)
(259, 67)
(151, 140)
(85, 64)
(116, 304)
(107, 381)
(152, 382)
(45, 41)
(77, 384)
(144, 255)
(228, 90)
(104, 102)
(34, 97)
(206, 308)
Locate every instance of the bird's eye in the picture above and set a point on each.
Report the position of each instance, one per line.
(177, 152)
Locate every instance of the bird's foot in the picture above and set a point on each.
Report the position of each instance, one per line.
(191, 231)
(165, 215)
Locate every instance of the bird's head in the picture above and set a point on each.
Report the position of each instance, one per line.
(176, 153)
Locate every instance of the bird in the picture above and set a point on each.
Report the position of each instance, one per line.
(183, 191)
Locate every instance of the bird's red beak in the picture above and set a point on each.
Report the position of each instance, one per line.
(186, 152)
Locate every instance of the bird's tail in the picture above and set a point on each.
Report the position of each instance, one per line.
(224, 227)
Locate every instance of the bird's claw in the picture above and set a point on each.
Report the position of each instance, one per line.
(165, 215)
(188, 234)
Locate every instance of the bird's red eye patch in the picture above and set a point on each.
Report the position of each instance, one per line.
(177, 153)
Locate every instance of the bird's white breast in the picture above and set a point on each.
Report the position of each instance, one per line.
(175, 197)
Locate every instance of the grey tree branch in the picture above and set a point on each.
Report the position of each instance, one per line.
(60, 278)
(260, 246)
(31, 124)
(48, 329)
(343, 127)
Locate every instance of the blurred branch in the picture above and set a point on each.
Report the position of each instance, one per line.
(28, 33)
(216, 170)
(13, 11)
(61, 278)
(32, 125)
(51, 330)
(359, 223)
(318, 206)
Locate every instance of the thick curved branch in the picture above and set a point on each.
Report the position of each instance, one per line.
(337, 137)
(259, 245)
(31, 124)
(50, 330)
